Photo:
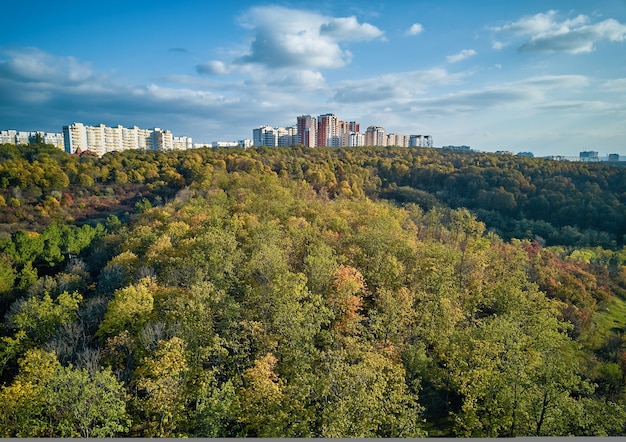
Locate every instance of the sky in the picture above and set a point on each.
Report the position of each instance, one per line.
(541, 76)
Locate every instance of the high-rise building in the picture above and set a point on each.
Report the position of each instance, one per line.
(375, 136)
(307, 131)
(328, 131)
(356, 139)
(287, 136)
(75, 137)
(265, 136)
(346, 129)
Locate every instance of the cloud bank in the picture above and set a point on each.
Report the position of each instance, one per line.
(546, 33)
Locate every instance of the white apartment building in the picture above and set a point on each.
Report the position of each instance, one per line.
(7, 136)
(420, 141)
(356, 139)
(287, 136)
(230, 144)
(102, 139)
(245, 143)
(265, 136)
(182, 143)
(24, 138)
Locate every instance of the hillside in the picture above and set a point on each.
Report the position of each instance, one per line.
(371, 292)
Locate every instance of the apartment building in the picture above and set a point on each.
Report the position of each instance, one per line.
(356, 139)
(420, 141)
(398, 140)
(102, 139)
(328, 131)
(375, 136)
(306, 131)
(265, 136)
(24, 138)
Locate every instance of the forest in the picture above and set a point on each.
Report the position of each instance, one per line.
(310, 292)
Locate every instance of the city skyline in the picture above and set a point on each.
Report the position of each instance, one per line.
(539, 76)
(99, 140)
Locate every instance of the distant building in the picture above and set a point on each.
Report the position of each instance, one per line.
(287, 136)
(246, 143)
(398, 140)
(346, 129)
(224, 144)
(102, 139)
(589, 155)
(307, 131)
(375, 136)
(526, 154)
(265, 136)
(613, 157)
(26, 138)
(356, 139)
(328, 131)
(420, 141)
(182, 143)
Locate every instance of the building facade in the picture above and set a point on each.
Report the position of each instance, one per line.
(421, 141)
(25, 138)
(265, 136)
(328, 131)
(375, 136)
(306, 131)
(102, 139)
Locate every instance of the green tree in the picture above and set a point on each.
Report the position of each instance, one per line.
(48, 400)
(162, 378)
(364, 394)
(129, 308)
(39, 317)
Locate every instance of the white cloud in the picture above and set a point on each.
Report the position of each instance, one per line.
(213, 68)
(415, 29)
(574, 36)
(464, 54)
(349, 29)
(31, 64)
(497, 45)
(298, 39)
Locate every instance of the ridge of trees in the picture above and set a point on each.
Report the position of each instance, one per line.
(555, 202)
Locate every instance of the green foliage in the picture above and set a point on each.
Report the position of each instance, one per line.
(129, 308)
(48, 400)
(370, 292)
(39, 317)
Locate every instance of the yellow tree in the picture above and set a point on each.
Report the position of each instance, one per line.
(162, 378)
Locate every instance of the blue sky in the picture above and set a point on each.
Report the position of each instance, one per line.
(543, 76)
